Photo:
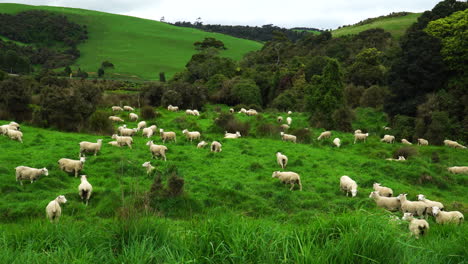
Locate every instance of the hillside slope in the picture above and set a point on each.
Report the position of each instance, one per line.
(139, 48)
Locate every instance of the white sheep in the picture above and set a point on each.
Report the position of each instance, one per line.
(242, 111)
(128, 108)
(114, 143)
(406, 142)
(232, 135)
(348, 185)
(453, 144)
(417, 208)
(4, 128)
(85, 189)
(387, 128)
(189, 112)
(122, 141)
(279, 119)
(360, 137)
(443, 217)
(53, 209)
(429, 203)
(458, 169)
(288, 137)
(289, 120)
(251, 112)
(167, 135)
(231, 110)
(216, 146)
(389, 203)
(29, 174)
(196, 113)
(117, 108)
(172, 108)
(284, 127)
(15, 135)
(289, 112)
(400, 158)
(191, 135)
(357, 131)
(141, 124)
(149, 131)
(416, 226)
(383, 191)
(281, 159)
(288, 177)
(337, 142)
(115, 119)
(128, 132)
(388, 139)
(149, 167)
(422, 142)
(202, 144)
(133, 117)
(69, 165)
(86, 146)
(157, 150)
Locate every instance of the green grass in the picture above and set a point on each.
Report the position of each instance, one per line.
(232, 210)
(395, 25)
(139, 48)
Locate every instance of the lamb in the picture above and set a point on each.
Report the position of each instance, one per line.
(242, 111)
(231, 110)
(141, 125)
(417, 208)
(12, 126)
(400, 158)
(53, 209)
(406, 142)
(167, 135)
(172, 108)
(325, 134)
(288, 177)
(279, 119)
(422, 142)
(416, 226)
(348, 185)
(447, 217)
(149, 167)
(202, 144)
(149, 131)
(189, 112)
(430, 203)
(383, 191)
(15, 135)
(251, 112)
(281, 159)
(387, 128)
(133, 117)
(117, 108)
(196, 113)
(191, 135)
(232, 135)
(115, 119)
(284, 127)
(128, 108)
(337, 142)
(389, 203)
(453, 144)
(287, 137)
(289, 112)
(157, 150)
(128, 132)
(122, 141)
(90, 147)
(216, 146)
(69, 165)
(360, 137)
(358, 131)
(114, 143)
(289, 120)
(458, 169)
(388, 139)
(30, 174)
(85, 189)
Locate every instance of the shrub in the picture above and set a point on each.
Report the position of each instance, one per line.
(227, 122)
(99, 123)
(374, 97)
(343, 119)
(406, 152)
(147, 112)
(303, 135)
(268, 130)
(183, 122)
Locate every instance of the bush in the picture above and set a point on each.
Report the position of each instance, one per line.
(374, 96)
(303, 135)
(406, 152)
(184, 122)
(227, 122)
(147, 112)
(99, 123)
(268, 130)
(403, 127)
(343, 119)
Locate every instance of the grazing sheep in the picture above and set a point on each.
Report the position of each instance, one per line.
(389, 203)
(133, 117)
(358, 131)
(284, 127)
(149, 131)
(458, 169)
(216, 146)
(196, 113)
(289, 112)
(15, 135)
(14, 124)
(281, 159)
(85, 189)
(122, 141)
(202, 144)
(141, 125)
(279, 119)
(325, 134)
(387, 128)
(337, 142)
(360, 137)
(388, 139)
(447, 217)
(288, 177)
(416, 226)
(289, 120)
(30, 174)
(53, 209)
(251, 112)
(383, 191)
(231, 110)
(128, 108)
(128, 132)
(348, 185)
(417, 208)
(149, 167)
(69, 165)
(172, 108)
(453, 144)
(400, 158)
(406, 142)
(114, 143)
(232, 135)
(115, 119)
(242, 111)
(422, 142)
(189, 112)
(430, 203)
(86, 146)
(117, 108)
(191, 135)
(157, 150)
(287, 137)
(167, 135)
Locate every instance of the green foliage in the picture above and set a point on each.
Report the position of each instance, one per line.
(403, 127)
(107, 64)
(343, 119)
(246, 91)
(147, 112)
(100, 72)
(15, 99)
(162, 77)
(440, 127)
(367, 69)
(209, 43)
(352, 95)
(374, 96)
(99, 123)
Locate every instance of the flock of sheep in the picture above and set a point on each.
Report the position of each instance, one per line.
(383, 196)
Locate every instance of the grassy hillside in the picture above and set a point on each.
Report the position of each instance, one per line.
(139, 48)
(232, 210)
(395, 25)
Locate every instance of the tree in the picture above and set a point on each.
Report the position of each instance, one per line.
(67, 71)
(209, 43)
(367, 68)
(245, 91)
(107, 64)
(374, 96)
(100, 72)
(15, 99)
(162, 77)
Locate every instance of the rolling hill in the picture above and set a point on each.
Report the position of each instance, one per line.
(139, 48)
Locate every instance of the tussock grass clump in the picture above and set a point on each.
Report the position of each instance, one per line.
(147, 112)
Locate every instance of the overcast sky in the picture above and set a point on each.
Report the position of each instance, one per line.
(287, 13)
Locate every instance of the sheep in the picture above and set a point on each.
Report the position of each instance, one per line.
(279, 119)
(216, 146)
(447, 217)
(115, 119)
(358, 131)
(288, 177)
(453, 144)
(337, 142)
(417, 208)
(53, 209)
(167, 135)
(191, 135)
(287, 137)
(189, 112)
(289, 112)
(388, 139)
(196, 113)
(149, 167)
(231, 110)
(406, 142)
(202, 144)
(232, 135)
(325, 134)
(12, 126)
(400, 158)
(242, 111)
(251, 112)
(389, 203)
(284, 127)
(128, 108)
(141, 125)
(69, 165)
(430, 203)
(422, 142)
(30, 174)
(90, 147)
(114, 143)
(383, 191)
(172, 108)
(15, 135)
(133, 117)
(157, 150)
(458, 169)
(122, 141)
(416, 226)
(117, 108)
(128, 132)
(360, 137)
(149, 131)
(85, 189)
(281, 159)
(348, 185)
(386, 128)
(289, 120)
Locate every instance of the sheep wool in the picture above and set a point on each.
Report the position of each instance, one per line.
(288, 177)
(85, 189)
(53, 209)
(281, 159)
(389, 203)
(442, 217)
(29, 174)
(348, 185)
(416, 226)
